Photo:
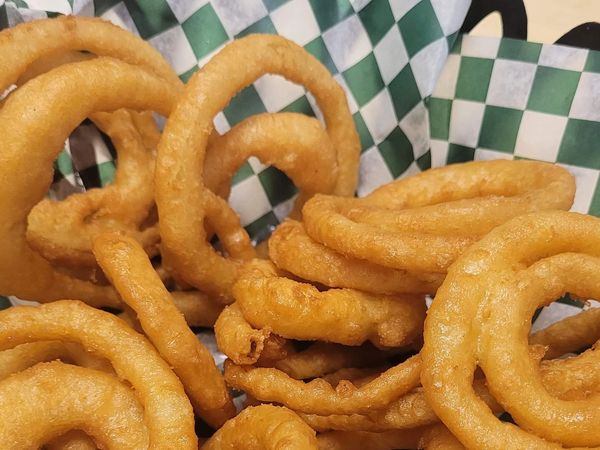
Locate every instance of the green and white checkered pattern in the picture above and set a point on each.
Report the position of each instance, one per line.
(515, 99)
(386, 54)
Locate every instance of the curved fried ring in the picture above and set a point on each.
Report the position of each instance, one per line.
(63, 231)
(167, 411)
(294, 143)
(344, 316)
(181, 196)
(481, 314)
(28, 42)
(291, 249)
(264, 427)
(424, 222)
(571, 334)
(128, 268)
(243, 344)
(59, 108)
(318, 396)
(364, 440)
(49, 399)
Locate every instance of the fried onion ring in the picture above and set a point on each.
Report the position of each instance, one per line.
(424, 222)
(127, 266)
(49, 399)
(59, 108)
(571, 334)
(291, 249)
(318, 396)
(294, 143)
(182, 199)
(342, 316)
(167, 410)
(481, 315)
(264, 427)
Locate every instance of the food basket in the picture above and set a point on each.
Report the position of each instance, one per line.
(422, 95)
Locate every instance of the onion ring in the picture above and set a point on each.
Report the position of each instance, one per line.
(363, 440)
(62, 34)
(424, 222)
(318, 396)
(291, 249)
(244, 344)
(73, 440)
(110, 85)
(50, 399)
(127, 266)
(294, 143)
(287, 306)
(167, 410)
(570, 334)
(180, 194)
(63, 231)
(264, 427)
(496, 285)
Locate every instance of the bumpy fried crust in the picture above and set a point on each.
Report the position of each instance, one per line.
(571, 334)
(323, 358)
(244, 344)
(318, 396)
(72, 440)
(63, 231)
(50, 399)
(167, 410)
(291, 249)
(198, 309)
(424, 222)
(127, 266)
(62, 34)
(519, 266)
(363, 440)
(294, 143)
(180, 193)
(264, 427)
(23, 356)
(343, 316)
(59, 108)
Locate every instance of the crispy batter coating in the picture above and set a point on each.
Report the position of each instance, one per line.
(424, 222)
(130, 271)
(49, 399)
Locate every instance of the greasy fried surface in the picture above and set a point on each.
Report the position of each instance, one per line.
(181, 196)
(294, 143)
(318, 396)
(167, 411)
(424, 222)
(482, 314)
(291, 249)
(59, 108)
(345, 316)
(264, 428)
(50, 399)
(130, 271)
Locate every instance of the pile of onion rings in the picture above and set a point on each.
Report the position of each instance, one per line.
(330, 326)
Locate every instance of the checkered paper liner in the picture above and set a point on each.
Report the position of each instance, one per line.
(420, 94)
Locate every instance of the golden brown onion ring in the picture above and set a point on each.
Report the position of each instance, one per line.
(183, 200)
(481, 315)
(569, 335)
(291, 249)
(294, 143)
(59, 108)
(424, 222)
(128, 268)
(318, 396)
(167, 410)
(28, 42)
(63, 231)
(264, 427)
(49, 399)
(299, 311)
